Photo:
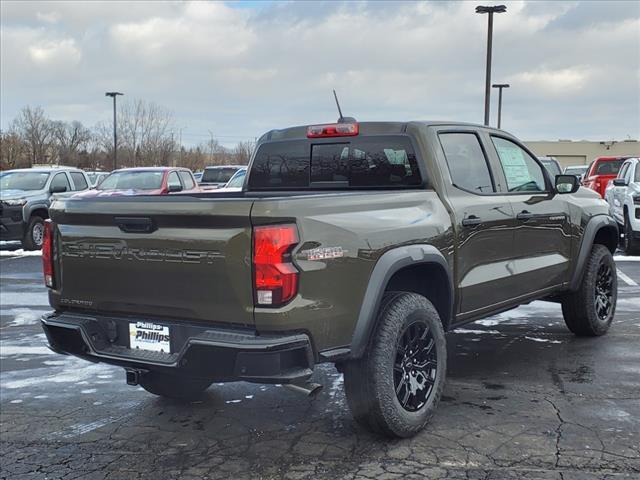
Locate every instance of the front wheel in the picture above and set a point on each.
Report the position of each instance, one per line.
(395, 387)
(171, 386)
(34, 234)
(589, 311)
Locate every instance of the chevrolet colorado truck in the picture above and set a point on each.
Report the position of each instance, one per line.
(25, 195)
(357, 244)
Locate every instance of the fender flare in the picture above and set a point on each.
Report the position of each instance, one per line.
(387, 265)
(593, 227)
(29, 209)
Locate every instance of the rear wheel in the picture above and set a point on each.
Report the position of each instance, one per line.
(395, 387)
(630, 245)
(34, 234)
(171, 386)
(590, 310)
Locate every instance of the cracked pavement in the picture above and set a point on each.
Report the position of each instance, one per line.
(524, 399)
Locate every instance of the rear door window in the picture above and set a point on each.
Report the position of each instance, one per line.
(366, 162)
(467, 164)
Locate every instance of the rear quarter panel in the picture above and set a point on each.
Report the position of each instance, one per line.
(363, 226)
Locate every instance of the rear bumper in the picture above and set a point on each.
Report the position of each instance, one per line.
(218, 354)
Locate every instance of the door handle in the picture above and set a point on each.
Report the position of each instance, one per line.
(524, 215)
(135, 224)
(471, 220)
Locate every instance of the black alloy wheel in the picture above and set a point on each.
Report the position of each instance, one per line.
(415, 366)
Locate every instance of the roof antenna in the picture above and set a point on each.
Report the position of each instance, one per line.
(338, 105)
(342, 119)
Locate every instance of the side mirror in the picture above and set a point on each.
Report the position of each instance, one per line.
(174, 188)
(58, 189)
(566, 184)
(620, 182)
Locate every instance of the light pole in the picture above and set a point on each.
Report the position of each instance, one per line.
(115, 134)
(500, 86)
(487, 86)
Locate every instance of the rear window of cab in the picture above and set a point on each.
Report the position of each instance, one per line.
(608, 167)
(385, 161)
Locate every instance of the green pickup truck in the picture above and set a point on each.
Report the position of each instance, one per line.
(357, 244)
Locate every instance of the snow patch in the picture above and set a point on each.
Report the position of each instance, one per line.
(545, 340)
(24, 316)
(477, 332)
(624, 258)
(233, 401)
(20, 253)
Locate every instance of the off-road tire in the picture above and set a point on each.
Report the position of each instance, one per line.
(369, 381)
(33, 234)
(170, 386)
(630, 245)
(579, 308)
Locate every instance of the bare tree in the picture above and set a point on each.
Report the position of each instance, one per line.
(145, 134)
(243, 151)
(36, 130)
(13, 150)
(71, 138)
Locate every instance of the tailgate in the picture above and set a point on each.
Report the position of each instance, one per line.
(178, 257)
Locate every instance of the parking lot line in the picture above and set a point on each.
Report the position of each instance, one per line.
(626, 279)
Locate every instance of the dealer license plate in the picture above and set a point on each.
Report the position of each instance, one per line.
(149, 336)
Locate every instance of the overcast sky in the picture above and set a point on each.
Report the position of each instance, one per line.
(241, 68)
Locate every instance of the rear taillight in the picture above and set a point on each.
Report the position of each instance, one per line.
(275, 277)
(333, 130)
(47, 254)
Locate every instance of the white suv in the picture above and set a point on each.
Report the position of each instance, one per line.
(623, 197)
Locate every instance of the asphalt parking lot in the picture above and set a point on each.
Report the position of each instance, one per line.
(525, 399)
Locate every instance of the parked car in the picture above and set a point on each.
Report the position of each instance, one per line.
(623, 197)
(577, 170)
(25, 196)
(357, 244)
(144, 181)
(601, 171)
(198, 176)
(218, 176)
(236, 182)
(96, 177)
(552, 165)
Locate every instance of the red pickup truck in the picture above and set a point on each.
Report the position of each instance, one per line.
(601, 171)
(144, 181)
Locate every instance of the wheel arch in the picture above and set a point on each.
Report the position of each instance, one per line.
(602, 230)
(405, 268)
(37, 209)
(40, 212)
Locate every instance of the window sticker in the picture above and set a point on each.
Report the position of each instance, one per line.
(514, 164)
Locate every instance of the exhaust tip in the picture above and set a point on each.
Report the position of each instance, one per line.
(309, 389)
